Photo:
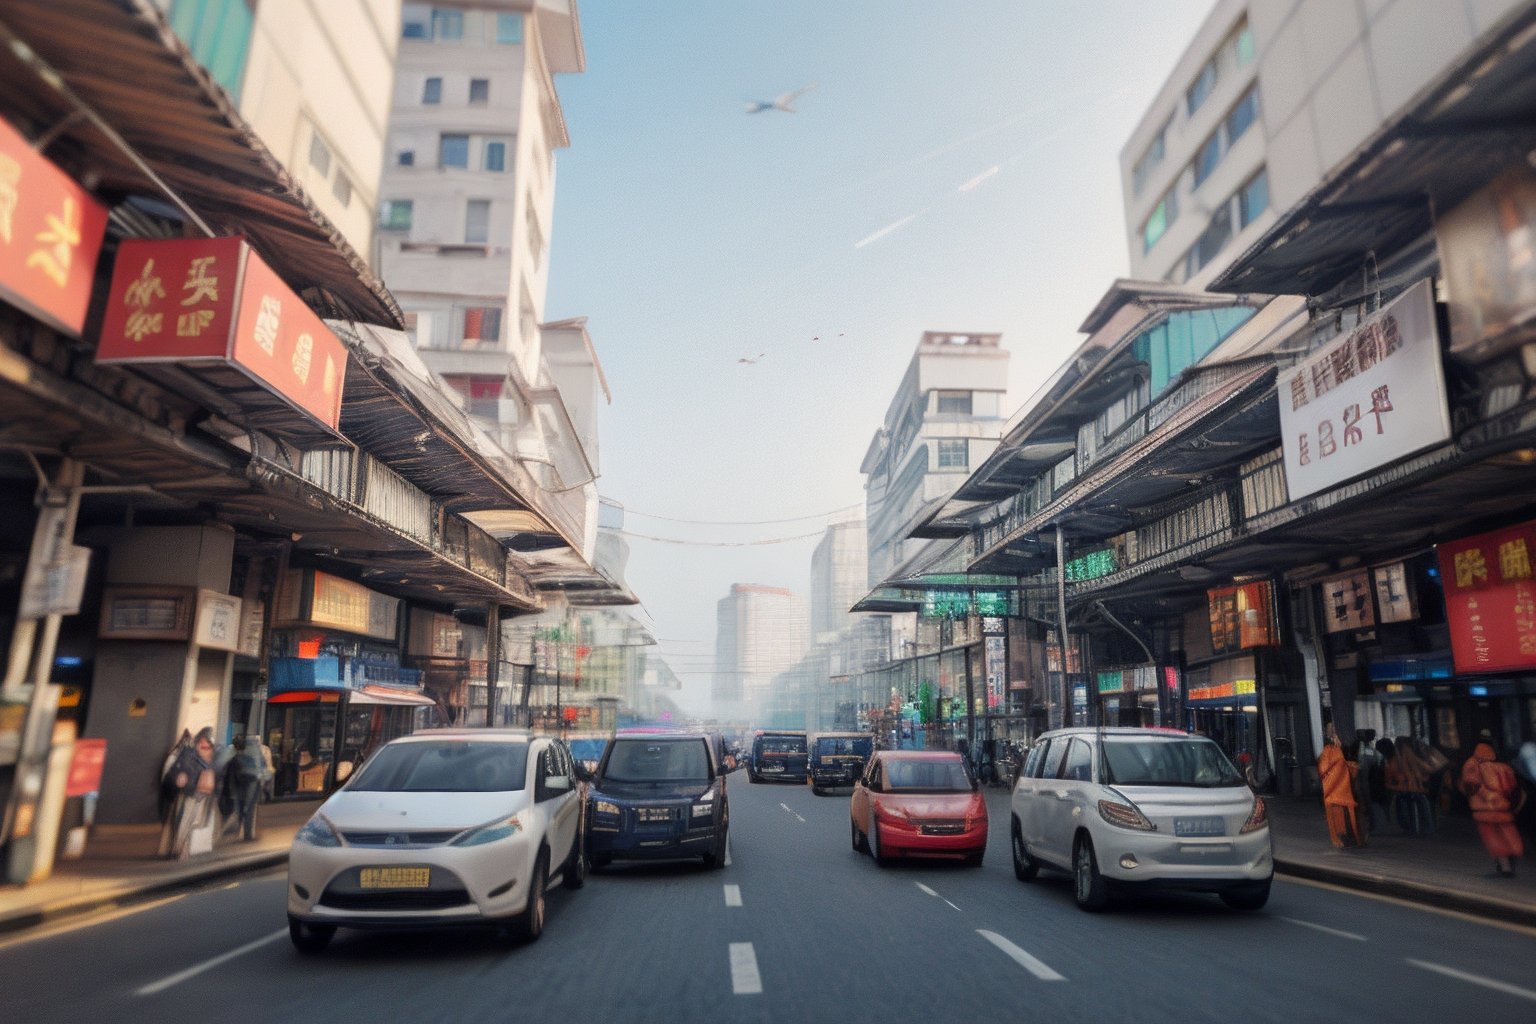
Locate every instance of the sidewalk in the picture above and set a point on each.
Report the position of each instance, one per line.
(120, 867)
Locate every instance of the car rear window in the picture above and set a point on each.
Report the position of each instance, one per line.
(781, 745)
(1132, 761)
(833, 746)
(641, 760)
(457, 766)
(913, 776)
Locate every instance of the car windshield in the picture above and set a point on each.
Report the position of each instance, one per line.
(833, 746)
(589, 749)
(1132, 761)
(913, 776)
(781, 745)
(447, 766)
(639, 760)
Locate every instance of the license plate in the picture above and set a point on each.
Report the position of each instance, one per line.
(654, 813)
(395, 878)
(773, 768)
(1211, 826)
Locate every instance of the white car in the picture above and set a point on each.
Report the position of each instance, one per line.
(1126, 809)
(443, 827)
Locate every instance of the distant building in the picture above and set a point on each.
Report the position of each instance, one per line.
(839, 577)
(759, 632)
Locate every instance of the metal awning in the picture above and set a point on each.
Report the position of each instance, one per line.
(389, 697)
(1472, 123)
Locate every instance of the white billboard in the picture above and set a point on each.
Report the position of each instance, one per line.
(1368, 399)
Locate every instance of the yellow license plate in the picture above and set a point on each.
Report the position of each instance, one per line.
(395, 878)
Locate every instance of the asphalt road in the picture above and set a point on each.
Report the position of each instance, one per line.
(796, 927)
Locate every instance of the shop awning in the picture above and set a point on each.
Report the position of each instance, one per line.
(388, 696)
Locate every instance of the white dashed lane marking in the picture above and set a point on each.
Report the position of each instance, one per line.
(733, 895)
(745, 981)
(1476, 979)
(930, 892)
(206, 965)
(1023, 959)
(1325, 929)
(788, 811)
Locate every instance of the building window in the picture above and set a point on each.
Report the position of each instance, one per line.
(1242, 115)
(954, 454)
(479, 90)
(495, 156)
(341, 188)
(1253, 198)
(1150, 161)
(447, 24)
(1161, 220)
(1211, 241)
(319, 154)
(954, 402)
(395, 214)
(453, 151)
(413, 27)
(432, 91)
(406, 158)
(509, 28)
(482, 323)
(477, 221)
(1208, 157)
(1202, 87)
(1242, 45)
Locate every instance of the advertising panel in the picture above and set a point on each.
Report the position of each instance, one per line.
(1490, 599)
(1242, 617)
(1347, 602)
(50, 236)
(1488, 257)
(1369, 398)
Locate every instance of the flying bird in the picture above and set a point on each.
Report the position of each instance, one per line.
(752, 360)
(784, 102)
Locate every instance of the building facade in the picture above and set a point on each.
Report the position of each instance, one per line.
(759, 632)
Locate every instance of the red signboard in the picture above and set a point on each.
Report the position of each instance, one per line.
(214, 300)
(1490, 599)
(50, 236)
(85, 767)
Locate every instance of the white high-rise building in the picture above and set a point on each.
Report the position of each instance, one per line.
(759, 632)
(839, 577)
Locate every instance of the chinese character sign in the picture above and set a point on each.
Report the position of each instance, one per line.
(1371, 397)
(1490, 599)
(50, 236)
(1347, 602)
(281, 341)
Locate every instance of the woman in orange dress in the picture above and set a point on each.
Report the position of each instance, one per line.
(1337, 774)
(1494, 793)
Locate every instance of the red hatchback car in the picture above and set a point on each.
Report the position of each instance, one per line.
(918, 803)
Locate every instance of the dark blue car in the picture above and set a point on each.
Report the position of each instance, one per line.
(657, 796)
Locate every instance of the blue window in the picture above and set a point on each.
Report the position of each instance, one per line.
(1162, 218)
(1201, 89)
(432, 91)
(1208, 157)
(395, 214)
(453, 151)
(413, 29)
(509, 28)
(495, 156)
(1184, 339)
(1243, 115)
(1253, 198)
(218, 32)
(407, 158)
(447, 23)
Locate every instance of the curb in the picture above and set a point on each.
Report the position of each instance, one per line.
(128, 894)
(1415, 892)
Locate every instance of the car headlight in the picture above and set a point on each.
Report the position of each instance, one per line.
(317, 832)
(502, 828)
(605, 807)
(705, 805)
(1125, 816)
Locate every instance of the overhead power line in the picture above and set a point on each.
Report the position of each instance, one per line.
(744, 522)
(721, 543)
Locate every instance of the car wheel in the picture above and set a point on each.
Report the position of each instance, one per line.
(859, 843)
(310, 939)
(1025, 867)
(1249, 897)
(1088, 885)
(574, 874)
(531, 924)
(875, 849)
(716, 858)
(816, 790)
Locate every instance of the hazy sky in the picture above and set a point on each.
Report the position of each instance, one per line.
(955, 168)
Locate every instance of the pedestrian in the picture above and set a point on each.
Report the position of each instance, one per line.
(1381, 796)
(1407, 779)
(193, 818)
(1495, 797)
(1337, 775)
(242, 786)
(166, 802)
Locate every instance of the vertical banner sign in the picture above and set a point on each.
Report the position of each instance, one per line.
(1347, 602)
(1371, 397)
(1490, 599)
(213, 300)
(50, 236)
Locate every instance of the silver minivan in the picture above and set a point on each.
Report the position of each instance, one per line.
(1140, 809)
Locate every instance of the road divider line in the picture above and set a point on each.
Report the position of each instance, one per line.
(788, 811)
(733, 895)
(745, 981)
(1325, 929)
(1023, 959)
(207, 965)
(930, 892)
(727, 849)
(1475, 979)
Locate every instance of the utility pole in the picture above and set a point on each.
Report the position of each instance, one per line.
(492, 660)
(1064, 693)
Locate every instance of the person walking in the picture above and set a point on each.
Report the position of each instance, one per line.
(1337, 775)
(242, 785)
(193, 818)
(167, 794)
(1495, 796)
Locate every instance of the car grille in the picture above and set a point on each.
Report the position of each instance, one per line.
(398, 839)
(941, 828)
(426, 899)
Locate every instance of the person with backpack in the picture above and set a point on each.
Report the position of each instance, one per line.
(242, 787)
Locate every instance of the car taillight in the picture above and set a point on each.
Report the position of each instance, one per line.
(1257, 818)
(1125, 816)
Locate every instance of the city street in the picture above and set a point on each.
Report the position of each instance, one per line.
(795, 927)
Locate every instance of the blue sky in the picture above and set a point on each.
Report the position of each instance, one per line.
(693, 235)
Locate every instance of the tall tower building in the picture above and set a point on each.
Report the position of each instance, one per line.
(759, 632)
(839, 577)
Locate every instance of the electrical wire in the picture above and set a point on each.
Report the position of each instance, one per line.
(744, 522)
(721, 543)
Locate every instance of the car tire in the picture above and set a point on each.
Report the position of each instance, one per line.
(860, 844)
(1025, 867)
(530, 924)
(1089, 888)
(574, 874)
(816, 790)
(1248, 897)
(310, 939)
(875, 850)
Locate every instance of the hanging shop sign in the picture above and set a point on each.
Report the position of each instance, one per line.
(1347, 602)
(1396, 600)
(350, 606)
(1488, 259)
(146, 613)
(1370, 398)
(1490, 599)
(1243, 617)
(50, 236)
(1091, 566)
(213, 301)
(218, 621)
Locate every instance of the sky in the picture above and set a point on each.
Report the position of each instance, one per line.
(955, 167)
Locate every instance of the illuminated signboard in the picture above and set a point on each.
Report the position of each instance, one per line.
(1490, 599)
(213, 300)
(50, 236)
(1091, 566)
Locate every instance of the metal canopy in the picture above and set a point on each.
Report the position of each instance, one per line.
(1474, 122)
